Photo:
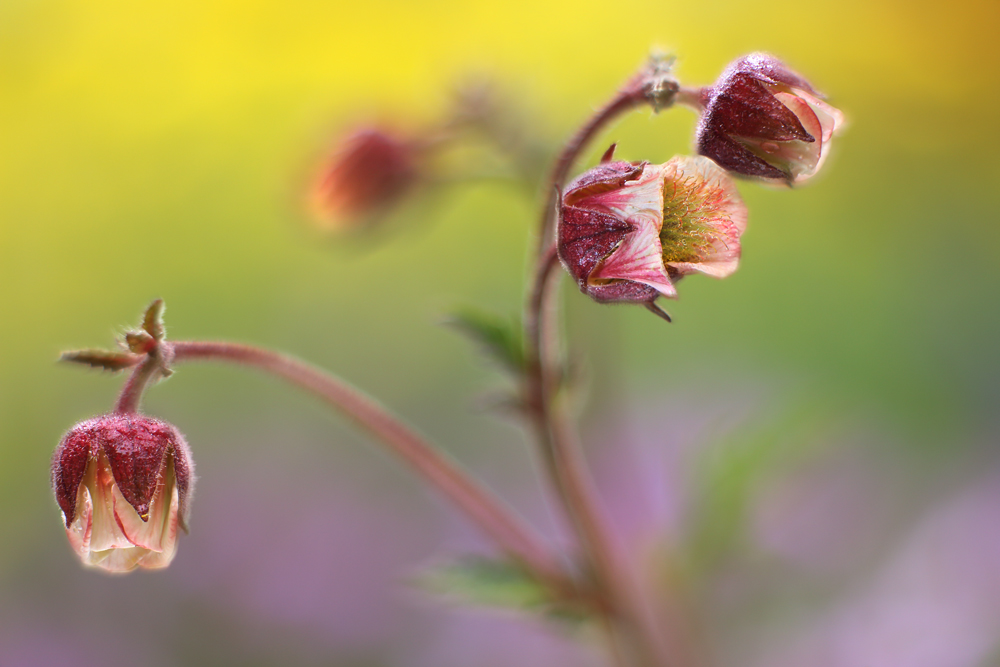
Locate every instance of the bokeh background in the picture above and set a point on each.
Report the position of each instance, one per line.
(809, 454)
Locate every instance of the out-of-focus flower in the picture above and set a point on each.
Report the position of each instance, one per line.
(763, 120)
(369, 173)
(123, 482)
(628, 231)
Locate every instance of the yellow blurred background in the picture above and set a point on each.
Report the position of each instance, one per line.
(161, 150)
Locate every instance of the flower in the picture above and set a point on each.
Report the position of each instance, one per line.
(628, 231)
(124, 483)
(372, 171)
(763, 120)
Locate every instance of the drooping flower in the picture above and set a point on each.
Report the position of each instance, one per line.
(763, 120)
(628, 231)
(369, 173)
(124, 483)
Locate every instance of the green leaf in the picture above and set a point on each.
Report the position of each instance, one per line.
(152, 321)
(486, 582)
(109, 361)
(500, 339)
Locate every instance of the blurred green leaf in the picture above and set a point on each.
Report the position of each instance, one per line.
(500, 339)
(152, 321)
(488, 582)
(104, 359)
(484, 581)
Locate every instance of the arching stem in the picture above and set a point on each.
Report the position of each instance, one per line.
(628, 612)
(488, 512)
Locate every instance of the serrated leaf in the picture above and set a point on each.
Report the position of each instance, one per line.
(152, 321)
(500, 339)
(107, 360)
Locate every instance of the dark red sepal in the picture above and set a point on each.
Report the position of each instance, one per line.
(137, 449)
(746, 108)
(602, 178)
(69, 464)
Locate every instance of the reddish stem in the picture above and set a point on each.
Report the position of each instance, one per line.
(629, 611)
(482, 507)
(626, 100)
(131, 394)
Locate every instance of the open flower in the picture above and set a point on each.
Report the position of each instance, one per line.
(123, 482)
(370, 172)
(628, 231)
(763, 120)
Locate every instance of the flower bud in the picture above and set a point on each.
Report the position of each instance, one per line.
(372, 171)
(628, 231)
(763, 120)
(123, 482)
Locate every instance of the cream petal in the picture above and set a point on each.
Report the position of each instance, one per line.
(106, 533)
(144, 534)
(702, 207)
(830, 118)
(120, 560)
(79, 531)
(169, 532)
(719, 190)
(713, 269)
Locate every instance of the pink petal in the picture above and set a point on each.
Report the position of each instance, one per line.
(639, 257)
(800, 158)
(830, 118)
(640, 202)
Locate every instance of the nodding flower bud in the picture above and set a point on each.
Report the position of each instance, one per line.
(124, 483)
(628, 231)
(370, 172)
(763, 120)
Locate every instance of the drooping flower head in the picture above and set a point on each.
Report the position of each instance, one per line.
(371, 171)
(124, 483)
(628, 231)
(763, 120)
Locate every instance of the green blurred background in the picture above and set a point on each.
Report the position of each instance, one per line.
(161, 150)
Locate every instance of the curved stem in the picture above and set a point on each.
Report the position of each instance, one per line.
(626, 100)
(652, 84)
(485, 510)
(695, 98)
(628, 611)
(131, 393)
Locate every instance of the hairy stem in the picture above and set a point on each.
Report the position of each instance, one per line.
(131, 393)
(626, 100)
(481, 506)
(628, 611)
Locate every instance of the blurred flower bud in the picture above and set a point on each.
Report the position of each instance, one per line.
(123, 482)
(370, 172)
(628, 231)
(763, 120)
